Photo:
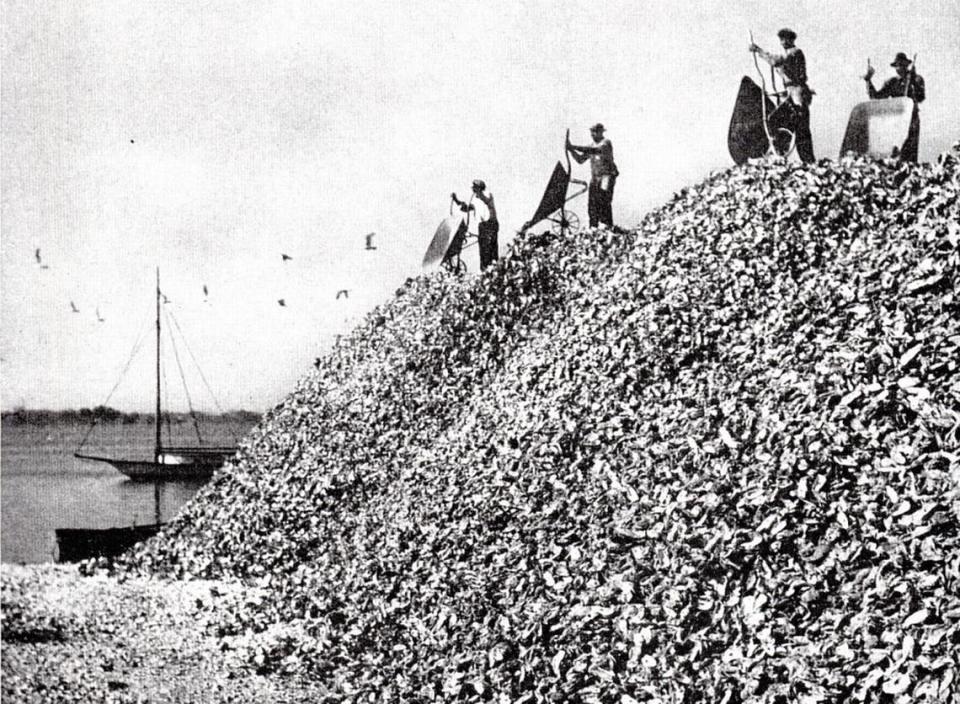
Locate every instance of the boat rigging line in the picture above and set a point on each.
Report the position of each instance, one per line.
(126, 367)
(183, 338)
(197, 365)
(183, 379)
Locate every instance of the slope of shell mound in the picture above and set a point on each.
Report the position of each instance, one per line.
(713, 459)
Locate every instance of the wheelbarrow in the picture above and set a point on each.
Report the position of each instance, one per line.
(555, 197)
(884, 128)
(751, 134)
(881, 128)
(449, 241)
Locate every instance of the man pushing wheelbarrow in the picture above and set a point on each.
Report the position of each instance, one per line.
(793, 114)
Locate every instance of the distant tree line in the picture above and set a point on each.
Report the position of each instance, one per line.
(106, 414)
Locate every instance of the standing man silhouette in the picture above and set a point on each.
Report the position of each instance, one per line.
(603, 175)
(488, 226)
(906, 84)
(794, 112)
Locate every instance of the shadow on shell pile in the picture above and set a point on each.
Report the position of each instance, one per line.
(714, 459)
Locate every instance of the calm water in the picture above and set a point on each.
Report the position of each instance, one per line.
(44, 487)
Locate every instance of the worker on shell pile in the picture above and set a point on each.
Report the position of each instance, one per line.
(906, 84)
(793, 113)
(488, 227)
(603, 175)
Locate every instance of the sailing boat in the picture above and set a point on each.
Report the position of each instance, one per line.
(170, 462)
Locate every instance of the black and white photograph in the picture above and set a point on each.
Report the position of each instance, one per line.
(587, 352)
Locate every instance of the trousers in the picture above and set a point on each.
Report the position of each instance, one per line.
(600, 201)
(487, 239)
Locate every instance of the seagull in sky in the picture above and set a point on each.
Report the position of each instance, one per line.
(99, 318)
(285, 257)
(36, 255)
(73, 307)
(345, 293)
(369, 238)
(205, 292)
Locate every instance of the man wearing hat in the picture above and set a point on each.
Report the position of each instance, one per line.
(603, 175)
(793, 113)
(906, 84)
(487, 227)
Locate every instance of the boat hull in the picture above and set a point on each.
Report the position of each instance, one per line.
(171, 464)
(75, 544)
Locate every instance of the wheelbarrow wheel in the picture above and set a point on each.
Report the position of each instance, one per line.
(567, 220)
(457, 266)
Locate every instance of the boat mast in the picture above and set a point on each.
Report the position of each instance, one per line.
(156, 447)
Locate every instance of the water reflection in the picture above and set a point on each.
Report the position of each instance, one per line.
(34, 507)
(45, 487)
(155, 502)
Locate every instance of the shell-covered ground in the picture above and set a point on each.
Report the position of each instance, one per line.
(712, 459)
(69, 638)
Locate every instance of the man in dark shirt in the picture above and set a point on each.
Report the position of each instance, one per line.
(794, 112)
(906, 84)
(603, 175)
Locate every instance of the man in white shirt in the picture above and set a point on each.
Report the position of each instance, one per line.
(488, 227)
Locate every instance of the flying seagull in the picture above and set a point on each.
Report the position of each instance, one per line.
(36, 254)
(343, 292)
(73, 307)
(205, 292)
(285, 257)
(370, 240)
(100, 319)
(282, 302)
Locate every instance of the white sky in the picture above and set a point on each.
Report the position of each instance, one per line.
(209, 137)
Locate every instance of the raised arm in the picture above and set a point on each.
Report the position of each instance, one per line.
(579, 154)
(586, 149)
(463, 206)
(872, 92)
(772, 59)
(887, 90)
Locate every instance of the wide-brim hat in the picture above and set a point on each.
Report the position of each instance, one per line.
(598, 127)
(901, 60)
(787, 33)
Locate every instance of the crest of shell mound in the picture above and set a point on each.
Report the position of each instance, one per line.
(713, 459)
